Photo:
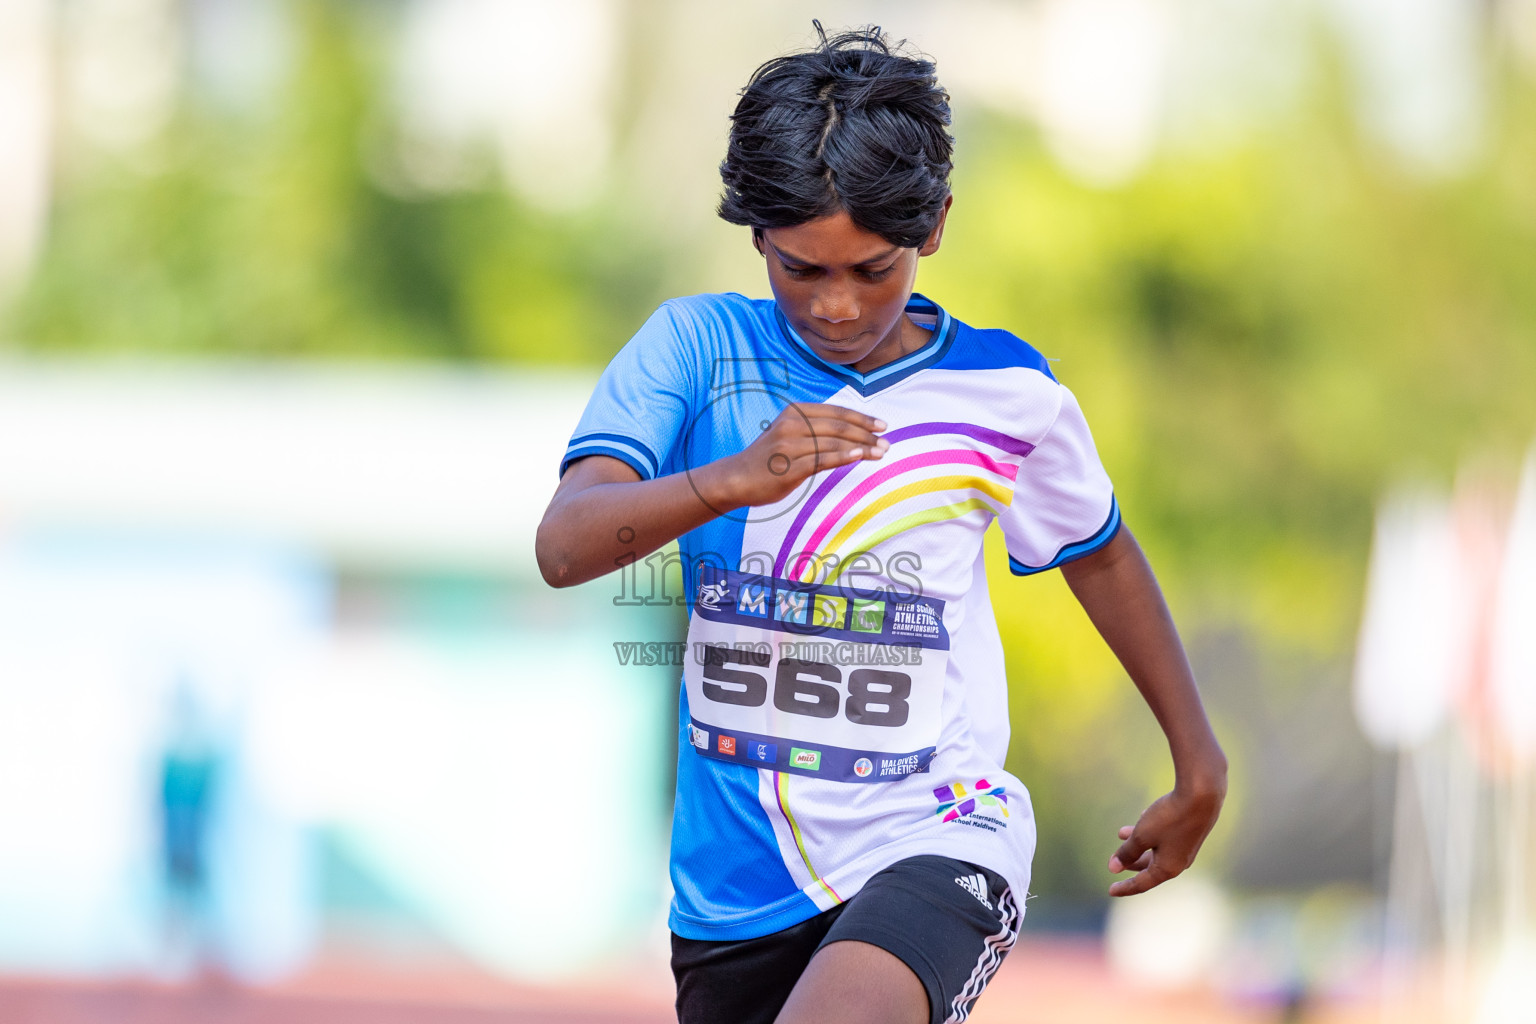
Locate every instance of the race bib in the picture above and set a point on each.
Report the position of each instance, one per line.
(820, 680)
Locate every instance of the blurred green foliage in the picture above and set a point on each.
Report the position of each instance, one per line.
(271, 234)
(1264, 335)
(1264, 338)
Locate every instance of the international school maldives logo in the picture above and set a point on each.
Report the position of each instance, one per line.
(956, 802)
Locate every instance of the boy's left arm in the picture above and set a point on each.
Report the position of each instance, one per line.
(1116, 588)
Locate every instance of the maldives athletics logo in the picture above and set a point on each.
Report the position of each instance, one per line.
(956, 802)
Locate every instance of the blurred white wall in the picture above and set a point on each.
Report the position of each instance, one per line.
(442, 468)
(178, 534)
(26, 130)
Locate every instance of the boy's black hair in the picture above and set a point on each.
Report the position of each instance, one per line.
(849, 125)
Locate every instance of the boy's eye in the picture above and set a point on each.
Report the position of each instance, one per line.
(805, 273)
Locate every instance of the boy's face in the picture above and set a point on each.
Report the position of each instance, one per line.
(843, 289)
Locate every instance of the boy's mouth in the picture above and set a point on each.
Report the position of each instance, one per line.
(836, 342)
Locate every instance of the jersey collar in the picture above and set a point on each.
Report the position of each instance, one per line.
(882, 377)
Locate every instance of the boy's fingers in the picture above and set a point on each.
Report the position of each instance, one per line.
(872, 449)
(1131, 851)
(822, 429)
(810, 453)
(855, 420)
(798, 448)
(854, 454)
(843, 412)
(1140, 864)
(820, 410)
(1116, 865)
(832, 450)
(812, 458)
(1140, 882)
(1126, 830)
(795, 458)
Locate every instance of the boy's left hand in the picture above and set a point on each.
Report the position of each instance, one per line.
(1116, 588)
(1164, 841)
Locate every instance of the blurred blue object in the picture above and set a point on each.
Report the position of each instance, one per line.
(126, 660)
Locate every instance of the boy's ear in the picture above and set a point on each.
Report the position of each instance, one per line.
(757, 241)
(931, 243)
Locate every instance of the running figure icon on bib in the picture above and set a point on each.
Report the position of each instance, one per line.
(820, 680)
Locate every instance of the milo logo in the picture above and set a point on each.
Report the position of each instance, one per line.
(810, 760)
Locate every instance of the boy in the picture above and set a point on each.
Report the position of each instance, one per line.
(846, 844)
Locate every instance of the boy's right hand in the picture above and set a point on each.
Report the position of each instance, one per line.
(804, 439)
(604, 515)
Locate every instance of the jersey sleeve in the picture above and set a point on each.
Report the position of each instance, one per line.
(1063, 502)
(639, 409)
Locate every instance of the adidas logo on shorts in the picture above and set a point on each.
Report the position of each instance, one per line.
(976, 886)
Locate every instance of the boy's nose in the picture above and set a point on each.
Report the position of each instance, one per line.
(834, 305)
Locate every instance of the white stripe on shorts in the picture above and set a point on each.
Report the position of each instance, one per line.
(997, 947)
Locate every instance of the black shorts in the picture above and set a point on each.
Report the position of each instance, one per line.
(951, 922)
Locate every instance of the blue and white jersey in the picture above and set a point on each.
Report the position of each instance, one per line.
(844, 704)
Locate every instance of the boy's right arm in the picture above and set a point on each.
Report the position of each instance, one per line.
(603, 515)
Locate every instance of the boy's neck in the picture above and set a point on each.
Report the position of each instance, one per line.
(905, 338)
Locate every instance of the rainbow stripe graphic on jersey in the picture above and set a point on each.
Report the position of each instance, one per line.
(930, 472)
(955, 802)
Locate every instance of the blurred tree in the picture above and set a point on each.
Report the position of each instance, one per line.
(1264, 338)
(294, 231)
